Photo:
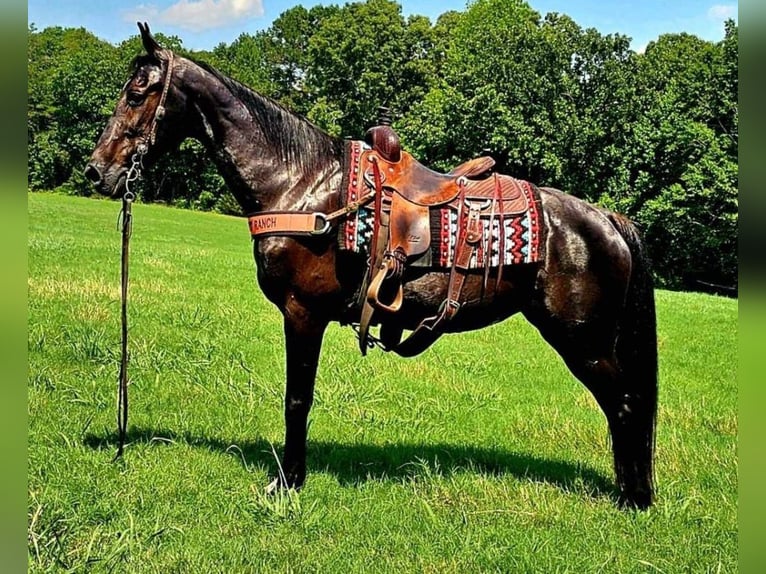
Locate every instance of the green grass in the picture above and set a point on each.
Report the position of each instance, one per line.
(454, 461)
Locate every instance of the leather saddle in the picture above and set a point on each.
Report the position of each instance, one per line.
(405, 192)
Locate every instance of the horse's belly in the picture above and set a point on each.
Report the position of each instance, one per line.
(480, 305)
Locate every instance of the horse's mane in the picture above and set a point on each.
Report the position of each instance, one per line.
(292, 134)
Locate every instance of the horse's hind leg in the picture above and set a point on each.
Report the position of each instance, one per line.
(594, 303)
(589, 350)
(611, 348)
(630, 414)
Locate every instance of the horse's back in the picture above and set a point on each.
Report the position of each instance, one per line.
(582, 237)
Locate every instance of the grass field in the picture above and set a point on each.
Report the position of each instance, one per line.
(449, 462)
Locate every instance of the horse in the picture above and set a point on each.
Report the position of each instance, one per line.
(590, 295)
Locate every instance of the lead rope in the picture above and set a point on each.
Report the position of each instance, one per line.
(126, 225)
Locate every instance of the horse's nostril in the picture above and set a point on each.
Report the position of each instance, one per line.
(93, 174)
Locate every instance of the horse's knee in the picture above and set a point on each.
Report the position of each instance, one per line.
(599, 375)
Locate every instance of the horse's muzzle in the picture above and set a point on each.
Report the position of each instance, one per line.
(110, 183)
(93, 174)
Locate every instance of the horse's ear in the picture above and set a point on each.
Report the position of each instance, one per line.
(150, 44)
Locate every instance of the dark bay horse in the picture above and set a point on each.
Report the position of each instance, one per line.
(590, 295)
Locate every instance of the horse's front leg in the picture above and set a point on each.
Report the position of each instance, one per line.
(303, 341)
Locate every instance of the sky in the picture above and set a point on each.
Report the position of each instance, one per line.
(203, 24)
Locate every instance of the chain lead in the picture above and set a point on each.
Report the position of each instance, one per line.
(126, 226)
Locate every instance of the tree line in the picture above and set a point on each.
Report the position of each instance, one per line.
(653, 135)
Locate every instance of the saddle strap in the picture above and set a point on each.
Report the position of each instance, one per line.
(488, 237)
(501, 228)
(288, 223)
(377, 251)
(431, 328)
(380, 229)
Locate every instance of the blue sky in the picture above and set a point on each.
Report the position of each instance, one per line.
(202, 24)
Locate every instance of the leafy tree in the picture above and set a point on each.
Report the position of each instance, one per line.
(67, 107)
(726, 93)
(592, 135)
(286, 49)
(498, 91)
(245, 61)
(365, 55)
(686, 181)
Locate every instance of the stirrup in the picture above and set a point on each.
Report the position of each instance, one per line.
(374, 291)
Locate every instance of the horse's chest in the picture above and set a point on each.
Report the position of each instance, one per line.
(271, 255)
(285, 266)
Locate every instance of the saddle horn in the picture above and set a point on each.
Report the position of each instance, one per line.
(383, 138)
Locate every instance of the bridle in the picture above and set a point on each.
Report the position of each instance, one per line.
(126, 225)
(142, 149)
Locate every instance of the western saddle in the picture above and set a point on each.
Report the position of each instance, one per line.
(404, 193)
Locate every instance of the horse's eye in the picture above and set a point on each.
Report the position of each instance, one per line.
(133, 132)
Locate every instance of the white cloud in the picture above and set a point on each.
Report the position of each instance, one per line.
(721, 12)
(197, 15)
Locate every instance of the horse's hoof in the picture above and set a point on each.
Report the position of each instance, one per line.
(640, 500)
(281, 483)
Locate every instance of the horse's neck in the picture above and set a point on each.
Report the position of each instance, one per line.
(265, 169)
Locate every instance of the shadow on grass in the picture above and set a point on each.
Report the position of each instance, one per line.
(354, 464)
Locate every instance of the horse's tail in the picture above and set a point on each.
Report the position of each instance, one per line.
(633, 425)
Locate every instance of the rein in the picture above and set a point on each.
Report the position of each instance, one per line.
(126, 226)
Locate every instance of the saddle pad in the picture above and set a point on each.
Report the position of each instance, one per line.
(521, 233)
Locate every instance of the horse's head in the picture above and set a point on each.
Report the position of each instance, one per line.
(137, 131)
